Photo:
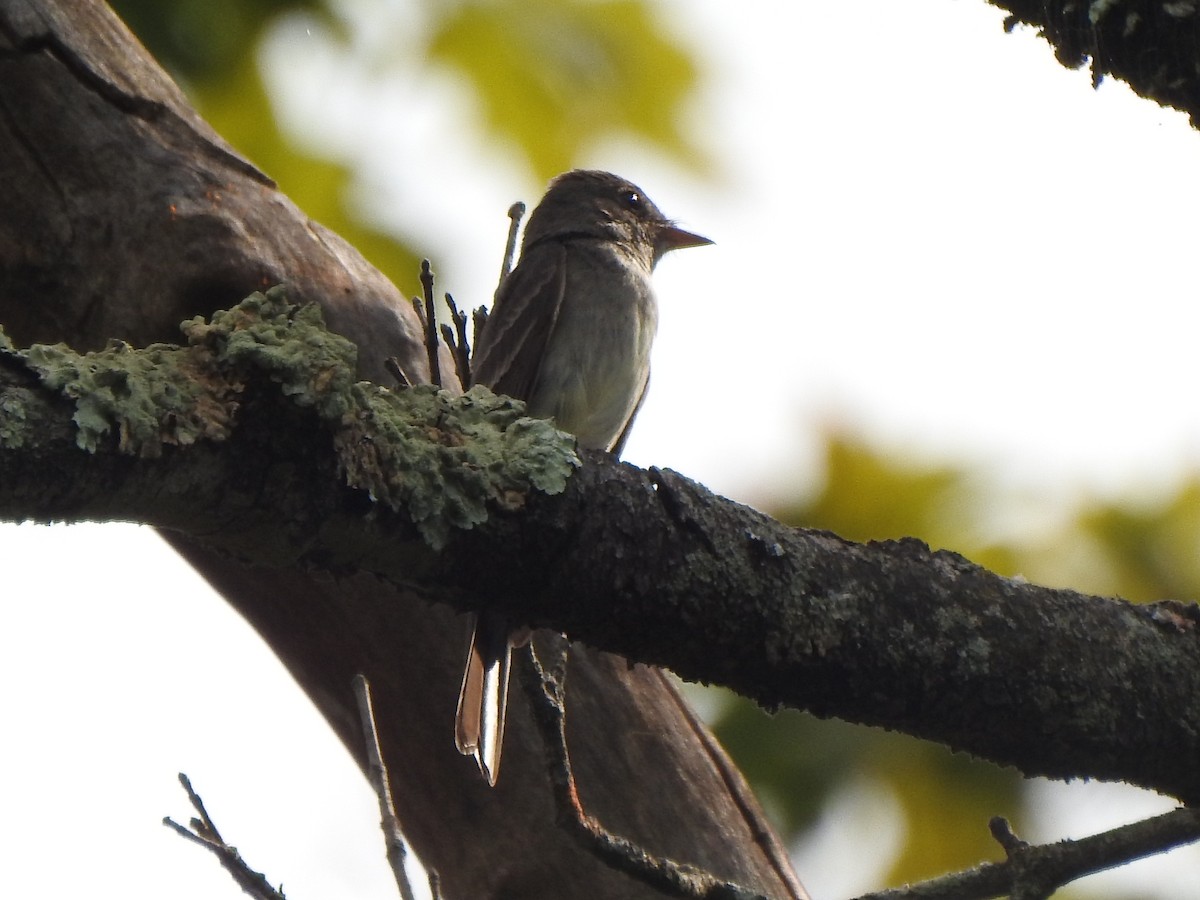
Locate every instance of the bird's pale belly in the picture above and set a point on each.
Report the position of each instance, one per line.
(599, 389)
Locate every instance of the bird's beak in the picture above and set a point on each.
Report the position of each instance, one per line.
(672, 237)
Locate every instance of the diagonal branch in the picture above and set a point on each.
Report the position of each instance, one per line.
(205, 834)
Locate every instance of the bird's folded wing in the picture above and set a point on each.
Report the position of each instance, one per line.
(521, 322)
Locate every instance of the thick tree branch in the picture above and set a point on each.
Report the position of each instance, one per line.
(1153, 47)
(124, 213)
(645, 564)
(104, 160)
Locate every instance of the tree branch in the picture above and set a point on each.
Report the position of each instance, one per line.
(545, 687)
(205, 834)
(645, 564)
(1152, 47)
(1037, 871)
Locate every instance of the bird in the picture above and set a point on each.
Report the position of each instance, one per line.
(569, 333)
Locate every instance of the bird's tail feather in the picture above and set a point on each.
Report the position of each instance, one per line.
(483, 698)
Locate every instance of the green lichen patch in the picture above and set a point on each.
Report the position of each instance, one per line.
(442, 458)
(151, 398)
(445, 458)
(14, 427)
(267, 333)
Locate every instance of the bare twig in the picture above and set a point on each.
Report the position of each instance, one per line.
(1037, 871)
(398, 850)
(1005, 836)
(204, 832)
(479, 315)
(516, 212)
(458, 342)
(430, 323)
(392, 364)
(479, 318)
(545, 689)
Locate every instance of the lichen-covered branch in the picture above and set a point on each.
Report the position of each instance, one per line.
(441, 459)
(256, 438)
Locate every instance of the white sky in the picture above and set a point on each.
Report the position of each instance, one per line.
(925, 228)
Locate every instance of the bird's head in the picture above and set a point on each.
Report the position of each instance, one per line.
(588, 203)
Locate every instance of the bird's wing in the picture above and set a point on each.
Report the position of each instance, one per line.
(508, 355)
(618, 445)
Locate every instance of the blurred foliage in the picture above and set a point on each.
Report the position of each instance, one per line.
(1149, 548)
(551, 78)
(602, 68)
(200, 41)
(797, 763)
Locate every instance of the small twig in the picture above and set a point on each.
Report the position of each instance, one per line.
(1004, 836)
(516, 213)
(479, 318)
(1039, 870)
(204, 832)
(458, 343)
(545, 689)
(392, 364)
(1027, 882)
(430, 323)
(479, 315)
(397, 847)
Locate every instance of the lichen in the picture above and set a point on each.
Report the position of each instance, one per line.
(440, 457)
(1182, 9)
(146, 396)
(267, 333)
(445, 459)
(14, 427)
(1099, 8)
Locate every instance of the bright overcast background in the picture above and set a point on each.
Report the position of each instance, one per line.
(926, 230)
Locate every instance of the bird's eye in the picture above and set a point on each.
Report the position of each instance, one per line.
(632, 199)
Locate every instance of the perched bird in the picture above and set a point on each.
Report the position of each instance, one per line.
(569, 333)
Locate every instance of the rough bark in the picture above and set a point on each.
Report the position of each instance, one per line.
(124, 214)
(890, 634)
(1153, 47)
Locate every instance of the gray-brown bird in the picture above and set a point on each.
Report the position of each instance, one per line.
(570, 334)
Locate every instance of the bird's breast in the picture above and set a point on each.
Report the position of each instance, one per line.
(597, 359)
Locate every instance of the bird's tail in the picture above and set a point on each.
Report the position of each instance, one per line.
(483, 699)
